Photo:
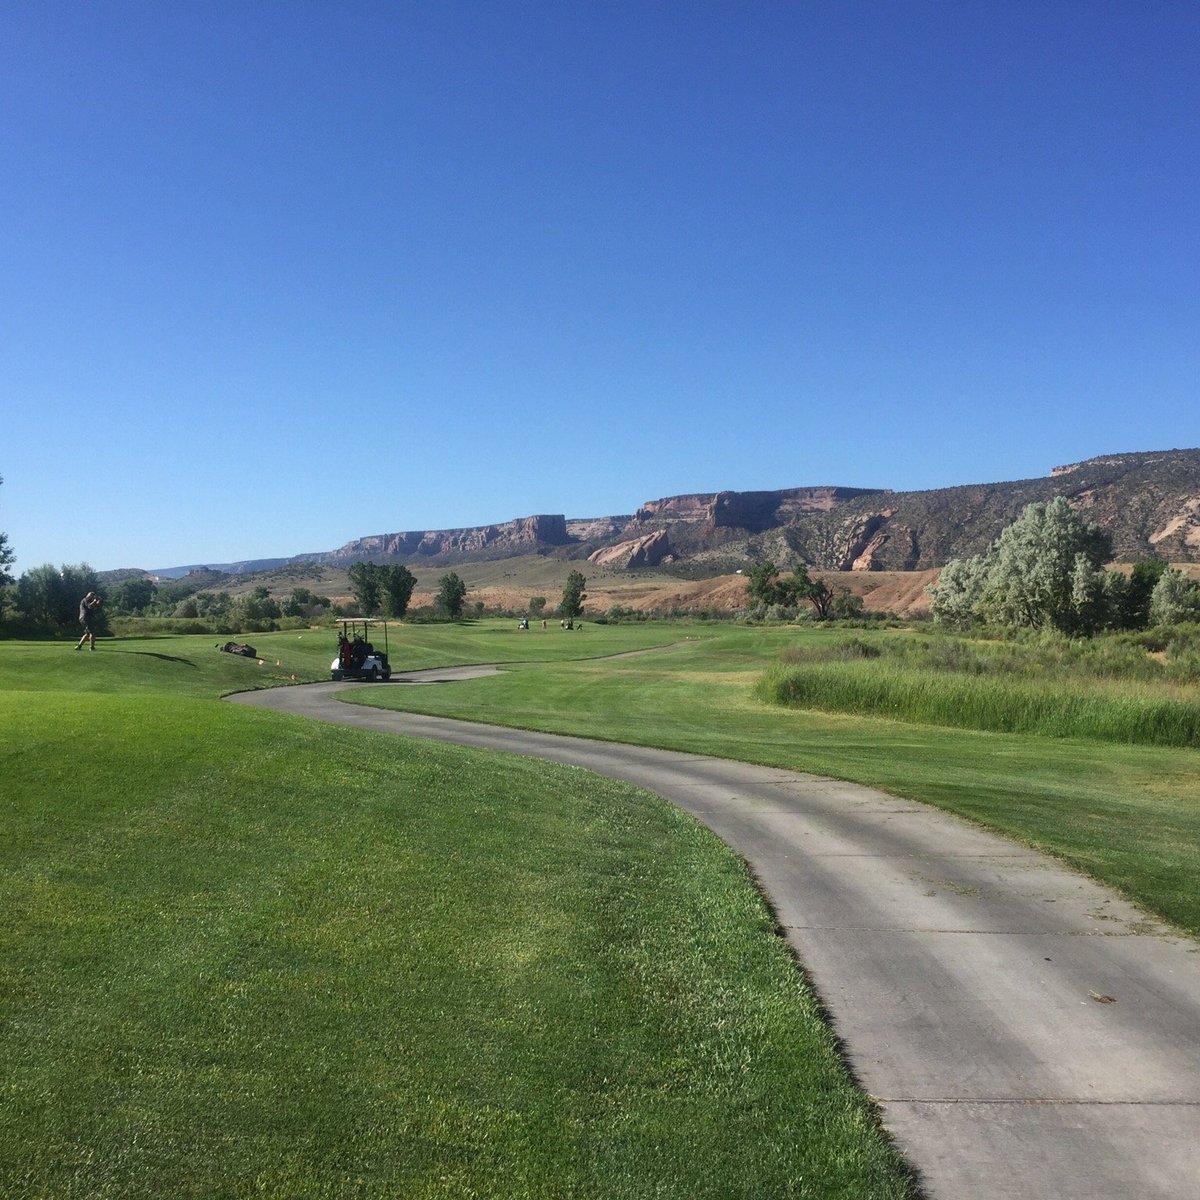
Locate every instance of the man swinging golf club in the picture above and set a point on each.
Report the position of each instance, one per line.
(87, 609)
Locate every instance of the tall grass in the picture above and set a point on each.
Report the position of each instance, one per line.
(1116, 691)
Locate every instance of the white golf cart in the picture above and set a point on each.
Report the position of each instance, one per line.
(358, 656)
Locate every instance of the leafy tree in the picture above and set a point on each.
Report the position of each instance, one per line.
(49, 597)
(304, 603)
(1032, 581)
(957, 596)
(1090, 598)
(398, 583)
(452, 592)
(1044, 570)
(537, 605)
(210, 605)
(845, 605)
(802, 587)
(133, 596)
(40, 596)
(259, 605)
(367, 587)
(768, 589)
(573, 596)
(763, 586)
(1175, 598)
(1135, 609)
(7, 558)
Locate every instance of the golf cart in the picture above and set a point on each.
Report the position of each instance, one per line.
(357, 657)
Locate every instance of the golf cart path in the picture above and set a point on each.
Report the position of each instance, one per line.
(1026, 1032)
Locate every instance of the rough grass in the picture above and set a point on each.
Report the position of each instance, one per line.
(1106, 691)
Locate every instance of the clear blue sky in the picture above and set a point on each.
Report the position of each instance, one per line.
(276, 275)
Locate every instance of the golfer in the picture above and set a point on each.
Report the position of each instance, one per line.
(87, 610)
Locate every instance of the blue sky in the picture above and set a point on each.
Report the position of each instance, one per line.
(277, 275)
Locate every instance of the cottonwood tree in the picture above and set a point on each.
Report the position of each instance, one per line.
(366, 586)
(383, 588)
(1175, 598)
(48, 596)
(765, 586)
(1033, 581)
(452, 592)
(1135, 608)
(7, 558)
(1045, 570)
(398, 583)
(956, 599)
(573, 596)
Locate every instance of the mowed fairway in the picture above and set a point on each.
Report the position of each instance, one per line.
(248, 955)
(1129, 815)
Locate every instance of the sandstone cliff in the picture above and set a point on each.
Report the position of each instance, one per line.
(1149, 502)
(527, 535)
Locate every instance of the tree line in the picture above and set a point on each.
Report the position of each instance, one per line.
(1048, 570)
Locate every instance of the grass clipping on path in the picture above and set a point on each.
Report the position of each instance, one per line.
(248, 955)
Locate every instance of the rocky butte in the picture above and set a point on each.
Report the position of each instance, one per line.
(1149, 502)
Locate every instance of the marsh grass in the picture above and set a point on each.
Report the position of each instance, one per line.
(1109, 690)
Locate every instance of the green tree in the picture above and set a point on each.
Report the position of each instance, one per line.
(7, 558)
(398, 583)
(537, 605)
(573, 596)
(763, 585)
(132, 596)
(956, 598)
(367, 587)
(1175, 598)
(1135, 612)
(845, 605)
(452, 592)
(49, 597)
(1043, 571)
(259, 605)
(1032, 581)
(801, 586)
(41, 596)
(767, 588)
(210, 605)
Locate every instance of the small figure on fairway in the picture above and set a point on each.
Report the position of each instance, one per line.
(87, 610)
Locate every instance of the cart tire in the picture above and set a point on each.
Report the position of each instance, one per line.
(335, 675)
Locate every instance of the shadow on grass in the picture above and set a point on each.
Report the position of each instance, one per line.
(187, 662)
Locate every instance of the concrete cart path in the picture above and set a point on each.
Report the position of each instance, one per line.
(1027, 1033)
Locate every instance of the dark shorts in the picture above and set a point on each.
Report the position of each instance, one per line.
(86, 622)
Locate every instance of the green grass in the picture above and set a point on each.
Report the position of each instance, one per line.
(1099, 712)
(1110, 690)
(246, 954)
(1129, 815)
(191, 664)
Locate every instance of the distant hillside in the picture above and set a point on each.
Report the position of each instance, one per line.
(1150, 502)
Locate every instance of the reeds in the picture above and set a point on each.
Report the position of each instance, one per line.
(1116, 692)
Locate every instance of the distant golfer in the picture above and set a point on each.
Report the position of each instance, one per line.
(87, 612)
